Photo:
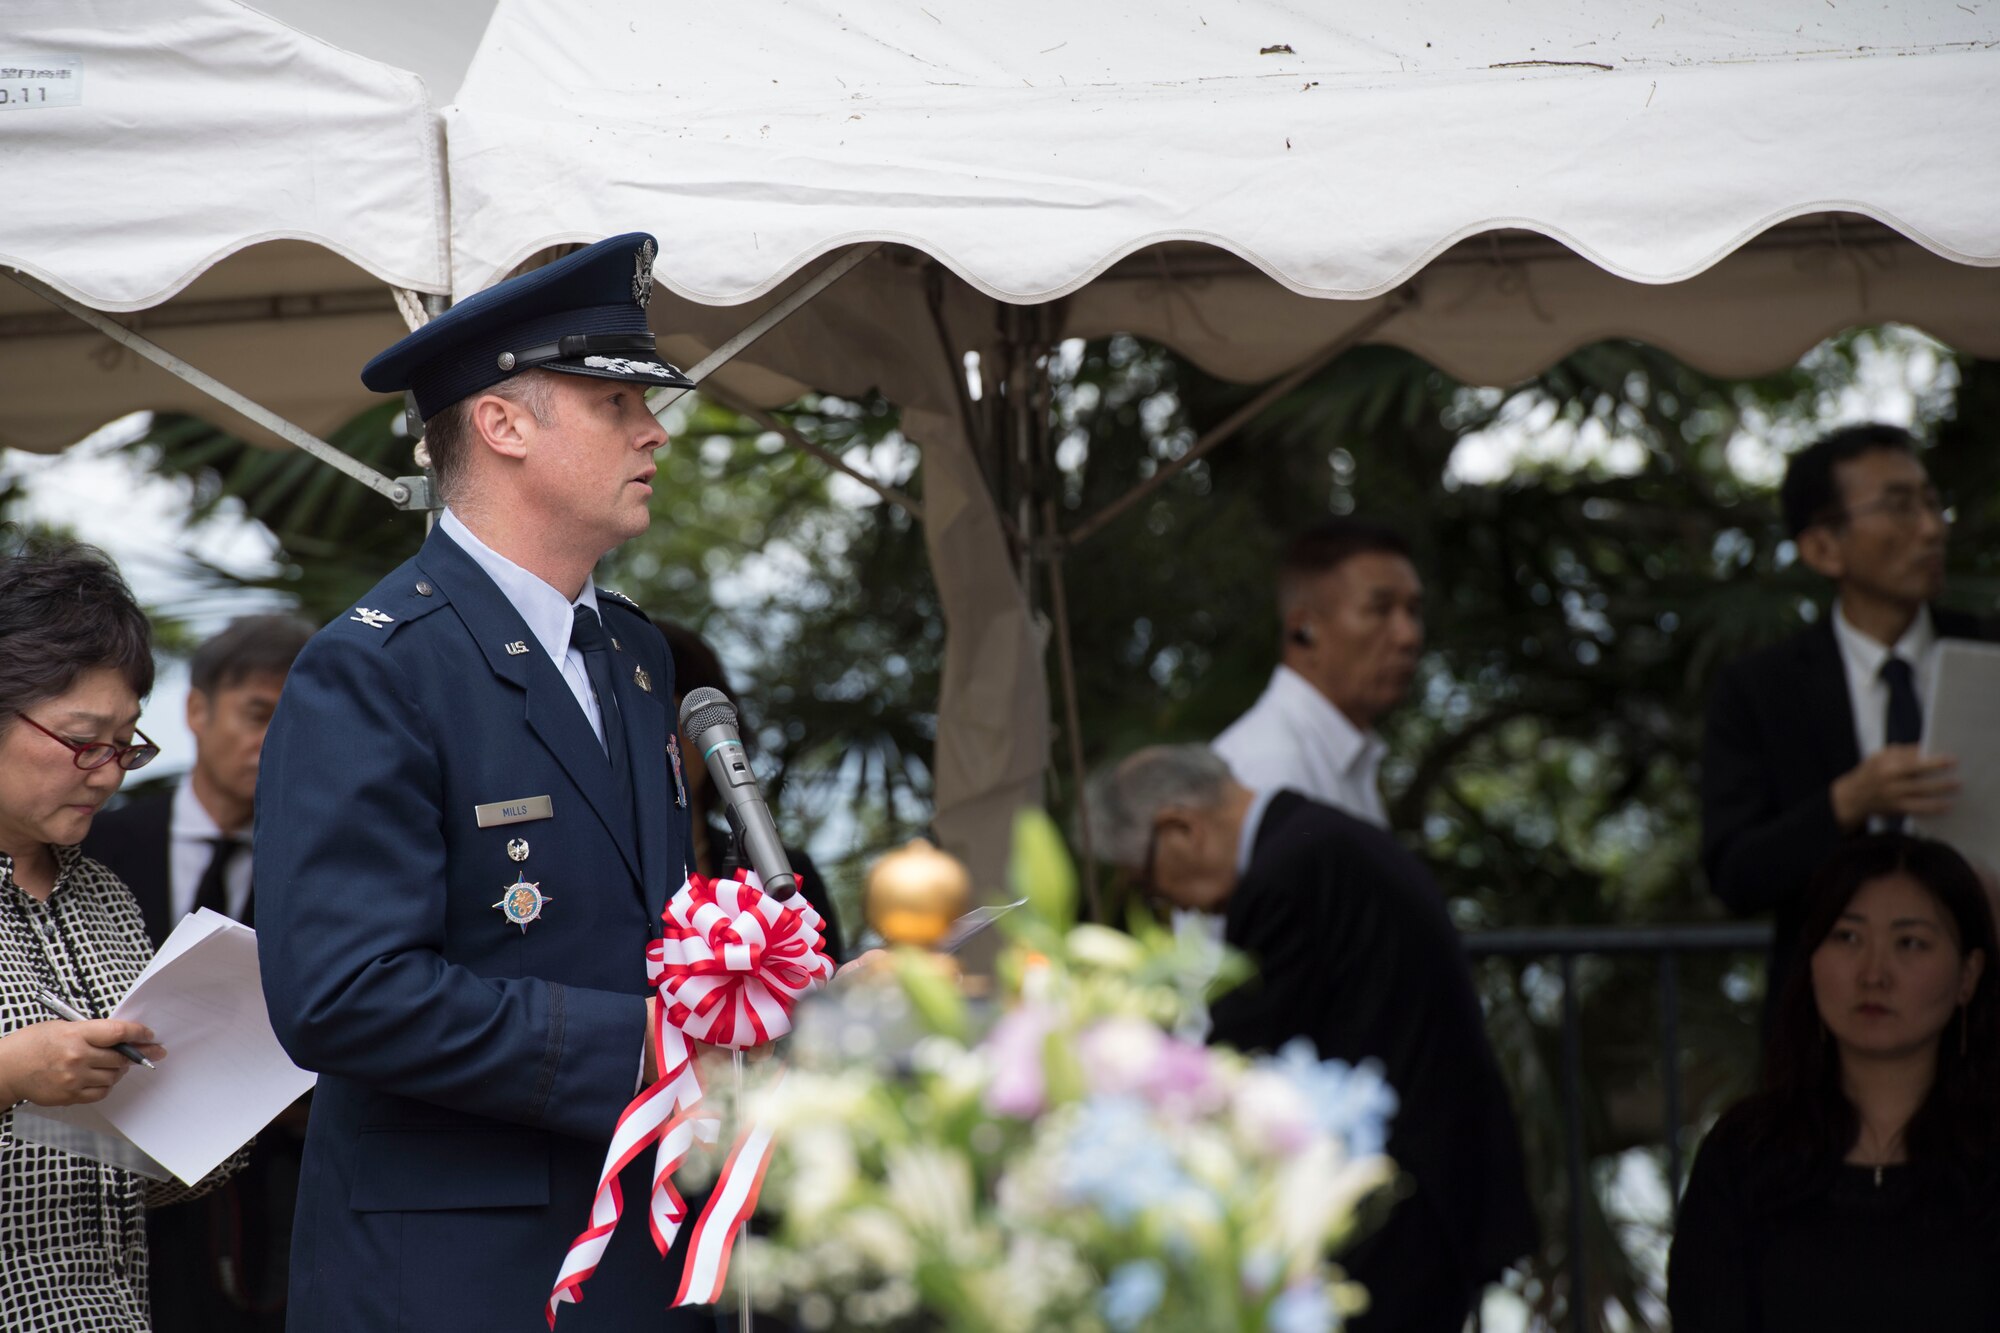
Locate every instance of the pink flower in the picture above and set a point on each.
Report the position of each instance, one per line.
(1014, 1048)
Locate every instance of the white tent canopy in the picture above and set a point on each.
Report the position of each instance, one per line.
(222, 173)
(1489, 186)
(1032, 145)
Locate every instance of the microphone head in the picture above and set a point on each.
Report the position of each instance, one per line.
(704, 708)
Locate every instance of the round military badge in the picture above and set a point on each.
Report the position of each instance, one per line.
(522, 902)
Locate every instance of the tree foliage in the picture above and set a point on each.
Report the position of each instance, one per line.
(1581, 598)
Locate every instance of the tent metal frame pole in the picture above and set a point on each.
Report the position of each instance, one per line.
(764, 323)
(908, 504)
(403, 492)
(1224, 430)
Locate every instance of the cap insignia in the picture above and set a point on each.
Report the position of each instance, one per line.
(642, 272)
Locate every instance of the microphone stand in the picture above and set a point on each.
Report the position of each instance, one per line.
(735, 862)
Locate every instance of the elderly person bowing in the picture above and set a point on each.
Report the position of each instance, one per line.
(75, 660)
(1355, 953)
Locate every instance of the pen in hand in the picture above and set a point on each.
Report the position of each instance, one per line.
(62, 1008)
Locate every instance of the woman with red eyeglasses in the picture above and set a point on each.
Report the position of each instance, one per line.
(75, 660)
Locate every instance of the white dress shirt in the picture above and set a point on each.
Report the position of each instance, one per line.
(1294, 736)
(1863, 657)
(549, 615)
(191, 835)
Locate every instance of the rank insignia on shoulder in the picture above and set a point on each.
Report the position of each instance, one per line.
(372, 619)
(522, 902)
(618, 596)
(680, 783)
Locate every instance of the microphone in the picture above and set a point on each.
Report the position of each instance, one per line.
(709, 720)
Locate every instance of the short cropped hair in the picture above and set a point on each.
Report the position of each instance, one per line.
(250, 646)
(1328, 545)
(1122, 800)
(1810, 492)
(64, 611)
(448, 433)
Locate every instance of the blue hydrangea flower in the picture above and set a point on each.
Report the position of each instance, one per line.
(1132, 1293)
(1302, 1309)
(1117, 1162)
(1353, 1103)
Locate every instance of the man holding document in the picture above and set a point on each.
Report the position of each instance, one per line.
(468, 824)
(1817, 737)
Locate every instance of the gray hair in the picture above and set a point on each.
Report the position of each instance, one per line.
(1122, 799)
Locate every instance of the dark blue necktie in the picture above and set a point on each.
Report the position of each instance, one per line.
(1903, 720)
(1903, 723)
(586, 635)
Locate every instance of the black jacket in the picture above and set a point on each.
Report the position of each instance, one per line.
(1355, 951)
(135, 843)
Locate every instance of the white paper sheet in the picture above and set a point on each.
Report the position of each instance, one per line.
(224, 1076)
(1962, 719)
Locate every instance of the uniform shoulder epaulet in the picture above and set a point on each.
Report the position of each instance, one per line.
(396, 601)
(620, 599)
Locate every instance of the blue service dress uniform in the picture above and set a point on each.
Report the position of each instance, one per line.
(471, 1069)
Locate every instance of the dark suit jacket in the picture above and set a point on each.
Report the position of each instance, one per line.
(1780, 730)
(135, 843)
(1355, 952)
(471, 1070)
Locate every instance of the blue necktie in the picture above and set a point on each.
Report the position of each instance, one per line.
(1903, 722)
(586, 635)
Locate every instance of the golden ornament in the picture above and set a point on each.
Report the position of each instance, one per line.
(915, 893)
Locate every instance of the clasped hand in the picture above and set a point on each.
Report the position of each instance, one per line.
(59, 1063)
(1895, 780)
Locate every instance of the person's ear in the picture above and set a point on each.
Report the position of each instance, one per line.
(199, 709)
(503, 426)
(1819, 549)
(1969, 973)
(1303, 634)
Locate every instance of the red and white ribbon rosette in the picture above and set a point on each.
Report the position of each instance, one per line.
(730, 966)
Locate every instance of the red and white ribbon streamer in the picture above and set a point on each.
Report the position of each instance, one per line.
(730, 965)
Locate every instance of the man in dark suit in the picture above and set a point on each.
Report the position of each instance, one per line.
(1816, 737)
(1354, 951)
(467, 828)
(218, 1263)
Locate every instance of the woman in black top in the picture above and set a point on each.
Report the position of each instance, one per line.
(1861, 1188)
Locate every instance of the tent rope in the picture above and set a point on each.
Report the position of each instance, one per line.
(411, 307)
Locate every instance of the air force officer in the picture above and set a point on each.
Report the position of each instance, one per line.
(468, 821)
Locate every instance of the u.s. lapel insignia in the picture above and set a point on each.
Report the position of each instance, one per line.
(680, 784)
(517, 648)
(372, 619)
(641, 679)
(522, 902)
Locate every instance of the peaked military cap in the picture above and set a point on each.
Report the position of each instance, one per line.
(585, 314)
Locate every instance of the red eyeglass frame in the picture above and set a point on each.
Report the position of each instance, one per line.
(112, 752)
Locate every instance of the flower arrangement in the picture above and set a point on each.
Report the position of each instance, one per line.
(1060, 1159)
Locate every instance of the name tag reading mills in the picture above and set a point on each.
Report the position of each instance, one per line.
(520, 810)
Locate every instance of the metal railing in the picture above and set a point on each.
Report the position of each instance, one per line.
(1566, 944)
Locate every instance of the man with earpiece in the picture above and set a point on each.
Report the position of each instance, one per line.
(1352, 607)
